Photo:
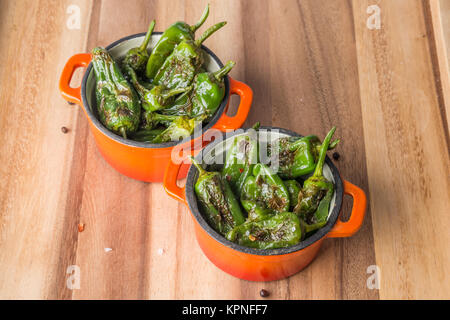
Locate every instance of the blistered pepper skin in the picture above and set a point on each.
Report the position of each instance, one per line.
(239, 162)
(219, 205)
(278, 231)
(315, 197)
(136, 58)
(208, 91)
(181, 127)
(273, 190)
(296, 156)
(118, 104)
(293, 188)
(181, 66)
(153, 98)
(171, 37)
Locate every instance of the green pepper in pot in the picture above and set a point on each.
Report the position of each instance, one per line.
(117, 102)
(266, 188)
(146, 135)
(217, 201)
(153, 98)
(152, 119)
(293, 188)
(278, 231)
(173, 35)
(184, 62)
(180, 128)
(315, 197)
(255, 211)
(297, 156)
(137, 58)
(206, 96)
(240, 159)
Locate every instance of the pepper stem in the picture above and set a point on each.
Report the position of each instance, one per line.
(334, 144)
(200, 169)
(205, 15)
(134, 80)
(123, 131)
(256, 126)
(318, 172)
(147, 36)
(209, 32)
(219, 74)
(173, 92)
(163, 117)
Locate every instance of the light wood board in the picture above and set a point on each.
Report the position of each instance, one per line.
(312, 64)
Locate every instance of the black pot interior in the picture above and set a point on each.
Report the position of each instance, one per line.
(87, 90)
(319, 234)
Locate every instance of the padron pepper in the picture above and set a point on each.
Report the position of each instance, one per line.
(266, 188)
(278, 231)
(171, 37)
(205, 97)
(137, 58)
(256, 211)
(293, 188)
(240, 159)
(315, 197)
(146, 135)
(184, 62)
(296, 156)
(180, 128)
(155, 98)
(117, 102)
(152, 119)
(218, 203)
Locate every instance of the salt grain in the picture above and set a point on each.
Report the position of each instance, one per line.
(108, 249)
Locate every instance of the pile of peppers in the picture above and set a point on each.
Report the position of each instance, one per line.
(162, 95)
(253, 206)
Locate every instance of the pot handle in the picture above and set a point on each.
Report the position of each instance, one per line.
(77, 61)
(350, 227)
(246, 94)
(170, 182)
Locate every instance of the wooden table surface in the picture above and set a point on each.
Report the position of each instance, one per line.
(312, 64)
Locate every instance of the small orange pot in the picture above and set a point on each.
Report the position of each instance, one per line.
(265, 265)
(139, 160)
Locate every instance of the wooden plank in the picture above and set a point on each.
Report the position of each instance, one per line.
(34, 45)
(312, 64)
(309, 91)
(406, 154)
(438, 22)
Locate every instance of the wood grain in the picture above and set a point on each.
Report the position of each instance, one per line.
(407, 157)
(312, 65)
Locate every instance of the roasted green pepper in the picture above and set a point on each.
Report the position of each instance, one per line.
(184, 62)
(137, 58)
(266, 188)
(217, 201)
(296, 156)
(293, 188)
(146, 135)
(278, 231)
(240, 160)
(155, 98)
(206, 96)
(256, 211)
(173, 35)
(117, 102)
(315, 196)
(151, 119)
(180, 128)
